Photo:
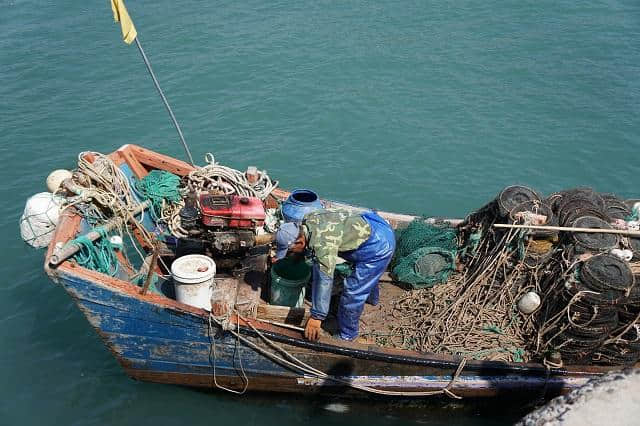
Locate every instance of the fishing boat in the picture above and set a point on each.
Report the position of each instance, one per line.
(158, 339)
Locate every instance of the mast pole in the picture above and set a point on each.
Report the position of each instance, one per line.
(164, 100)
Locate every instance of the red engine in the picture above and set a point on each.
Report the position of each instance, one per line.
(231, 211)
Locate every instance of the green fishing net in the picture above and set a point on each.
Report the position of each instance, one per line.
(425, 254)
(98, 255)
(422, 234)
(158, 186)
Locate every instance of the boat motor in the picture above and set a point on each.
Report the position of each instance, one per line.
(224, 227)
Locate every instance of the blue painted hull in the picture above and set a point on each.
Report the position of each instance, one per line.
(147, 338)
(155, 342)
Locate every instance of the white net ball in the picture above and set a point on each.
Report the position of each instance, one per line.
(40, 218)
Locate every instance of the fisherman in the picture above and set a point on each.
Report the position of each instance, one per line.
(364, 239)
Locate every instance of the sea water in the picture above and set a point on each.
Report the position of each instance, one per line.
(425, 107)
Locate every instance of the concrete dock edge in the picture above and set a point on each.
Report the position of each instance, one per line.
(612, 400)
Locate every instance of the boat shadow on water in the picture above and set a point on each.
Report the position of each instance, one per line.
(326, 403)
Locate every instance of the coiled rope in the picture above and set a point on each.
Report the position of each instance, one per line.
(104, 192)
(214, 177)
(227, 180)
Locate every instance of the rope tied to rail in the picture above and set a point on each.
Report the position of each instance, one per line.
(287, 359)
(105, 198)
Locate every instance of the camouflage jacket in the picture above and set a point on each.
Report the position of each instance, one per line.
(331, 231)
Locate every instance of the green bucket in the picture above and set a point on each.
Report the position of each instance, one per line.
(288, 281)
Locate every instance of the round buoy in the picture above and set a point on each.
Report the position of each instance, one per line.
(40, 218)
(55, 179)
(529, 303)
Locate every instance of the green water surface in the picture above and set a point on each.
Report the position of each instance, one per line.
(427, 107)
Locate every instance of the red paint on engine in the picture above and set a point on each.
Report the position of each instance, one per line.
(232, 211)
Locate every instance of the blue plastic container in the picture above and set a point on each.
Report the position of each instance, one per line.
(299, 203)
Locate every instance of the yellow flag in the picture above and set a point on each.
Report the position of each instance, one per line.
(121, 15)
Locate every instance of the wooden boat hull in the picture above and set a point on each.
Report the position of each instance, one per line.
(166, 344)
(158, 339)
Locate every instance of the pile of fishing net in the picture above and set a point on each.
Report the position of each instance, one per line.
(161, 188)
(425, 254)
(589, 311)
(585, 285)
(471, 314)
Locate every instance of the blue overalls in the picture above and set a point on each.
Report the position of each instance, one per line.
(370, 260)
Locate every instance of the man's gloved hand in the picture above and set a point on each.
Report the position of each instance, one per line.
(312, 330)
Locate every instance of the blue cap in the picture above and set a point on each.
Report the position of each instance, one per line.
(285, 236)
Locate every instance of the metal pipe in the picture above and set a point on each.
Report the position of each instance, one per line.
(570, 229)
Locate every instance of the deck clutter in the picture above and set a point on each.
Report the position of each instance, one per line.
(524, 279)
(521, 294)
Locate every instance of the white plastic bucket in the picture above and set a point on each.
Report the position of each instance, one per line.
(193, 280)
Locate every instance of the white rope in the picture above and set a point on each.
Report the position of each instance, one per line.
(217, 178)
(245, 379)
(214, 176)
(105, 184)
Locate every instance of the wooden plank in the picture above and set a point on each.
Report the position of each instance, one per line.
(280, 194)
(247, 297)
(138, 170)
(89, 157)
(152, 267)
(143, 242)
(115, 156)
(124, 263)
(283, 314)
(67, 228)
(159, 161)
(272, 202)
(250, 285)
